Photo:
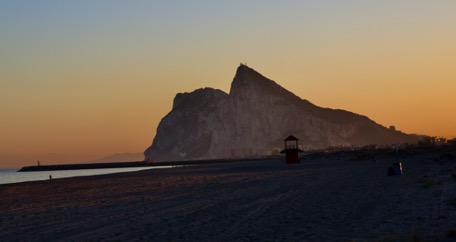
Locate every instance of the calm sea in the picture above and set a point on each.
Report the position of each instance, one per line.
(12, 176)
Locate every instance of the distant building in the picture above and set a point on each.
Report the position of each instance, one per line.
(392, 127)
(441, 141)
(428, 141)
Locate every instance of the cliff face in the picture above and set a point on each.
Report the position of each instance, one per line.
(253, 119)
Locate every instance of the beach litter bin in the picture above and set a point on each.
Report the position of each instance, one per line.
(395, 170)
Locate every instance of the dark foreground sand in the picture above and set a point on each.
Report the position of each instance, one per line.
(325, 198)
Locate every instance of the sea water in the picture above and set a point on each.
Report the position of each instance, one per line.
(12, 176)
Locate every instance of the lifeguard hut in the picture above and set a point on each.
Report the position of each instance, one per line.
(291, 150)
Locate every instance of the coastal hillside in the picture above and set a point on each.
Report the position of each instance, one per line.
(253, 119)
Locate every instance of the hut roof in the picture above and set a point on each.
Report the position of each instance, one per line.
(291, 138)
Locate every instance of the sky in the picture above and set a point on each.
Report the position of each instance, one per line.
(83, 79)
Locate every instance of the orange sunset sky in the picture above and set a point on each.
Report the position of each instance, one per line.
(87, 79)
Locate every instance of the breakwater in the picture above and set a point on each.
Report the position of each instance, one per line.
(128, 164)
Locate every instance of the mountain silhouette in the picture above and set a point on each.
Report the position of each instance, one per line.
(253, 119)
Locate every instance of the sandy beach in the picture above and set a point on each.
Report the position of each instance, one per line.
(344, 197)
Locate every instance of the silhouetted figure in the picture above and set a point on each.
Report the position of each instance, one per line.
(50, 177)
(38, 162)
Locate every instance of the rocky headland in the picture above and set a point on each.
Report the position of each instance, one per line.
(253, 119)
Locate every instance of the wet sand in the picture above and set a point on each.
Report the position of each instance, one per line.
(325, 198)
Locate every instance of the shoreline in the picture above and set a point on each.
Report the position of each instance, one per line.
(362, 154)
